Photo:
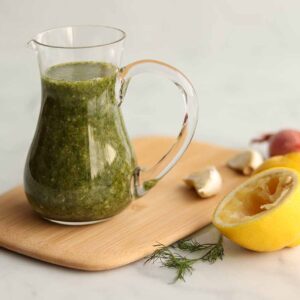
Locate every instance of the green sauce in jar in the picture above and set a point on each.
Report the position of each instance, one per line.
(80, 164)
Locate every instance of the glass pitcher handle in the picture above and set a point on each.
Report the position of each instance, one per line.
(144, 180)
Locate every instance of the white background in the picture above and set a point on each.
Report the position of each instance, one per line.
(243, 58)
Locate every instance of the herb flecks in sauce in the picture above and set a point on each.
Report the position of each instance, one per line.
(80, 164)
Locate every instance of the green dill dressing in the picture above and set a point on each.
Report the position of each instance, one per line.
(80, 164)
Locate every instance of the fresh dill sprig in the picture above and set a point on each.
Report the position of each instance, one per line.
(169, 258)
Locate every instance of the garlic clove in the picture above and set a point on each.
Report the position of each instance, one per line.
(246, 162)
(207, 182)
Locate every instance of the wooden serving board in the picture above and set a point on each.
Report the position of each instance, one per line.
(169, 212)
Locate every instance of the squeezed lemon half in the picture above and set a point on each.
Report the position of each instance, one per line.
(290, 160)
(263, 213)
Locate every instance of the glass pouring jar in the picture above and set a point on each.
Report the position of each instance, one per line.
(81, 168)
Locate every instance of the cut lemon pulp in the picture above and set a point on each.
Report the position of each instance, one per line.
(263, 213)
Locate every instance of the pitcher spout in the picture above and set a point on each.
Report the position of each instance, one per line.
(32, 45)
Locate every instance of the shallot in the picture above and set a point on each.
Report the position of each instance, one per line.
(282, 142)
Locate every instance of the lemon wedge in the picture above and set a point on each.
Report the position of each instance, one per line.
(263, 213)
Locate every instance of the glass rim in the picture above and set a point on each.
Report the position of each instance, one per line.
(123, 36)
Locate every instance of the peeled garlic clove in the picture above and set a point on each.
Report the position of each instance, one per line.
(246, 161)
(206, 182)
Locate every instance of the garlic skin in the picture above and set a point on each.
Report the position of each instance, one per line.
(246, 162)
(207, 182)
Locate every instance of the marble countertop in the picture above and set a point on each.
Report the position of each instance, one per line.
(243, 58)
(241, 275)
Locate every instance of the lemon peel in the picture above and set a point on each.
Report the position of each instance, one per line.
(291, 160)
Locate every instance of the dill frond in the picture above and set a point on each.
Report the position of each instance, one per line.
(169, 257)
